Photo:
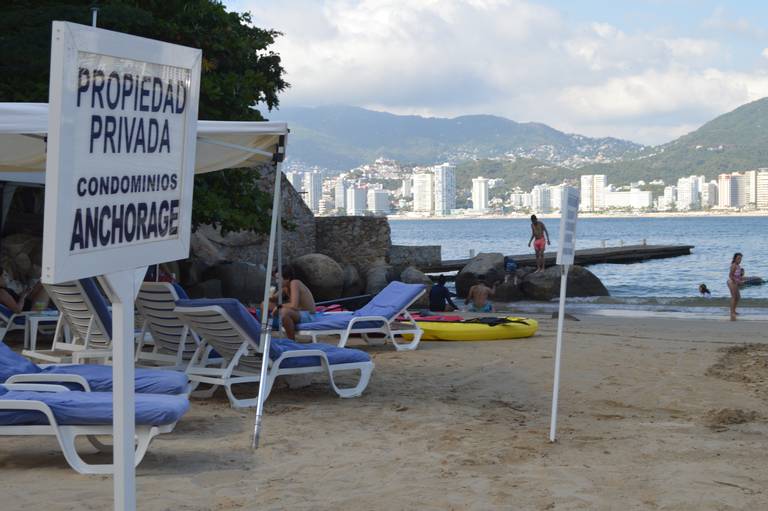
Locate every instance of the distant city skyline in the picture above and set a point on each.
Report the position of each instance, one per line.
(646, 71)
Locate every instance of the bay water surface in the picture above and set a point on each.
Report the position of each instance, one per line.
(657, 285)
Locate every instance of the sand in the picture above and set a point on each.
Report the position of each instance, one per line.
(655, 414)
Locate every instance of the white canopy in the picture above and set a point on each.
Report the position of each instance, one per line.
(220, 144)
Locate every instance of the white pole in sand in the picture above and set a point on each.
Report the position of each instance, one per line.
(558, 350)
(566, 252)
(266, 330)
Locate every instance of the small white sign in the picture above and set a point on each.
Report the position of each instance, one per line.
(569, 208)
(121, 150)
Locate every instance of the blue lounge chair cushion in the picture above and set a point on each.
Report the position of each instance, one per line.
(91, 408)
(180, 291)
(245, 320)
(6, 314)
(334, 354)
(387, 303)
(147, 381)
(99, 377)
(12, 363)
(100, 305)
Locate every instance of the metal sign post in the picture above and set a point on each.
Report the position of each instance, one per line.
(565, 255)
(119, 173)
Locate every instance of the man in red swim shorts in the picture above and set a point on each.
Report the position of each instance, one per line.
(540, 239)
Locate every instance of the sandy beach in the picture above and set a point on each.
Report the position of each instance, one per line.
(655, 414)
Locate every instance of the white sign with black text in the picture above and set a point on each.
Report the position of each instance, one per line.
(566, 247)
(121, 147)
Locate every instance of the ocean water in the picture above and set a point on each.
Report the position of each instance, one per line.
(662, 284)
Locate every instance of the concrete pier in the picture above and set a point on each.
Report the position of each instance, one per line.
(615, 255)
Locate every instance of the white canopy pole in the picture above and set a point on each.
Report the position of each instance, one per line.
(266, 330)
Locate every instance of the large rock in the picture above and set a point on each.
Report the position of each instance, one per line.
(377, 277)
(353, 282)
(208, 289)
(241, 280)
(322, 275)
(412, 275)
(508, 291)
(487, 265)
(546, 285)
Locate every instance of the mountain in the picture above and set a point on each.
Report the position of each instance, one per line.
(342, 137)
(520, 172)
(737, 140)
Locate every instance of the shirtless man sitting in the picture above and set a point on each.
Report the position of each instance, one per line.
(478, 295)
(300, 304)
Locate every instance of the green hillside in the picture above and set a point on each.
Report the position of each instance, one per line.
(737, 140)
(523, 173)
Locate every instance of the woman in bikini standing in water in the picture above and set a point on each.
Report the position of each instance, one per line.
(734, 279)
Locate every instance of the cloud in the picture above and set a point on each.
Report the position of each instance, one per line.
(514, 58)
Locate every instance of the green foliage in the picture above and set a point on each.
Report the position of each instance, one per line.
(523, 173)
(734, 141)
(238, 71)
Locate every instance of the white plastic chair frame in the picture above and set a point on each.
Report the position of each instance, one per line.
(66, 435)
(88, 335)
(392, 328)
(171, 338)
(242, 358)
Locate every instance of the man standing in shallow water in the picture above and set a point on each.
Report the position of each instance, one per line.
(540, 239)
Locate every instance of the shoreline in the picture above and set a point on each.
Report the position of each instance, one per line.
(660, 214)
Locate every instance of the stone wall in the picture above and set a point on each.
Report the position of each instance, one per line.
(401, 256)
(208, 243)
(357, 240)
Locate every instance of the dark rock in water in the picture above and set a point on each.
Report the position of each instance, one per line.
(752, 281)
(487, 265)
(508, 291)
(377, 277)
(413, 275)
(208, 289)
(322, 275)
(353, 282)
(546, 285)
(241, 280)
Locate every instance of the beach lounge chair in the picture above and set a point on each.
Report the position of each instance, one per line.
(86, 311)
(226, 325)
(54, 410)
(11, 321)
(379, 316)
(90, 377)
(172, 344)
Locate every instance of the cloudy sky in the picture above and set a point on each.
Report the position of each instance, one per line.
(646, 70)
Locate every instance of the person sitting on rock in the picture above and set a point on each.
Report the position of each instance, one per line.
(478, 296)
(440, 297)
(300, 304)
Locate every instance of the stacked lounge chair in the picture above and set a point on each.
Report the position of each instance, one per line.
(226, 325)
(387, 313)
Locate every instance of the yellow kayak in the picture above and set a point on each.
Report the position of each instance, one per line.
(472, 331)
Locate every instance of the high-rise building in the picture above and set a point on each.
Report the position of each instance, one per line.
(445, 188)
(555, 197)
(540, 199)
(356, 201)
(762, 189)
(378, 201)
(633, 199)
(688, 193)
(738, 190)
(313, 186)
(709, 194)
(406, 187)
(592, 192)
(750, 187)
(340, 194)
(724, 190)
(424, 193)
(296, 179)
(480, 194)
